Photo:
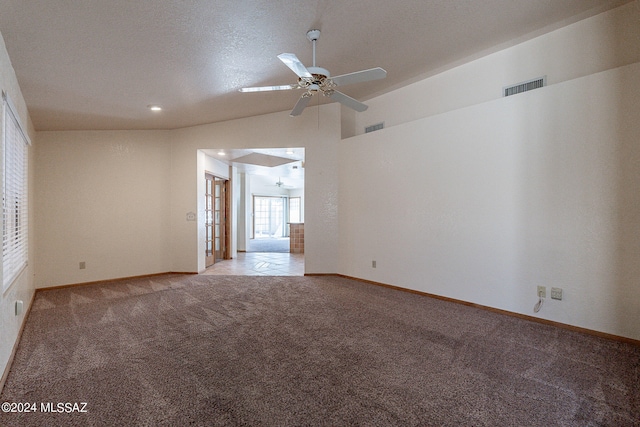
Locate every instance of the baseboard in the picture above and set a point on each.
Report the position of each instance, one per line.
(500, 311)
(5, 374)
(71, 285)
(7, 368)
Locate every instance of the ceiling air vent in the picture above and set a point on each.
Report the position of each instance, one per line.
(525, 86)
(374, 128)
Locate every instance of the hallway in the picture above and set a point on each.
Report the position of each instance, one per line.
(260, 264)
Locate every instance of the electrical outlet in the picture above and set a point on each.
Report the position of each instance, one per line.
(373, 264)
(83, 265)
(542, 291)
(19, 307)
(556, 293)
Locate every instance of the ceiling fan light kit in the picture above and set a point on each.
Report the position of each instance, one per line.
(316, 79)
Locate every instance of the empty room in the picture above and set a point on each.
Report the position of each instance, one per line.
(452, 188)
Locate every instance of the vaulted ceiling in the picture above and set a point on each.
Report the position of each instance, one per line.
(96, 64)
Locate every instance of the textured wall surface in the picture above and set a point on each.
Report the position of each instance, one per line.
(480, 198)
(485, 203)
(605, 41)
(102, 198)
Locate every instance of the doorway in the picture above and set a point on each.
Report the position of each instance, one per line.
(274, 172)
(216, 215)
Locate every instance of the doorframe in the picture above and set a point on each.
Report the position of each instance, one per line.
(211, 160)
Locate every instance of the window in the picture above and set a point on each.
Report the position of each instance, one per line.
(268, 216)
(14, 194)
(294, 209)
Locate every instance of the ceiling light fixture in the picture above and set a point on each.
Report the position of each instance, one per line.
(221, 153)
(154, 107)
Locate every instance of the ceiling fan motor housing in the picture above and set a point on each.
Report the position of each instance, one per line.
(319, 71)
(320, 80)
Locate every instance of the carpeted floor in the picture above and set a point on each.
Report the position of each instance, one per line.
(268, 245)
(181, 350)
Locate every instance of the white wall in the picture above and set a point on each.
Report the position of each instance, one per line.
(269, 131)
(118, 200)
(605, 41)
(484, 202)
(216, 167)
(102, 198)
(242, 196)
(23, 287)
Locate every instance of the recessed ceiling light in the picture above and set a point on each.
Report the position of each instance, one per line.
(221, 153)
(153, 107)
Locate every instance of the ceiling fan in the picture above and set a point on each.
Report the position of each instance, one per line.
(281, 184)
(317, 79)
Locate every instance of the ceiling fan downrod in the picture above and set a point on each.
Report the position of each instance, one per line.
(313, 36)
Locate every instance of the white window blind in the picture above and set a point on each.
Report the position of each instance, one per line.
(14, 194)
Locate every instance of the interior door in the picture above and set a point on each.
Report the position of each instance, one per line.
(216, 224)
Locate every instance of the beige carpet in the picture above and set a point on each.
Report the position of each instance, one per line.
(279, 351)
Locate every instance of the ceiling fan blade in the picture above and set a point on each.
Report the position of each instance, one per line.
(301, 104)
(359, 76)
(348, 101)
(268, 88)
(292, 61)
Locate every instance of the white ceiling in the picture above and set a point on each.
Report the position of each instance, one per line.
(98, 64)
(273, 164)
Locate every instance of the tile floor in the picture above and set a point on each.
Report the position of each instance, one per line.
(260, 264)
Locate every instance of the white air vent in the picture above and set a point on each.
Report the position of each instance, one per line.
(525, 86)
(374, 128)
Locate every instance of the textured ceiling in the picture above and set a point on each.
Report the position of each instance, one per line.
(97, 64)
(285, 163)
